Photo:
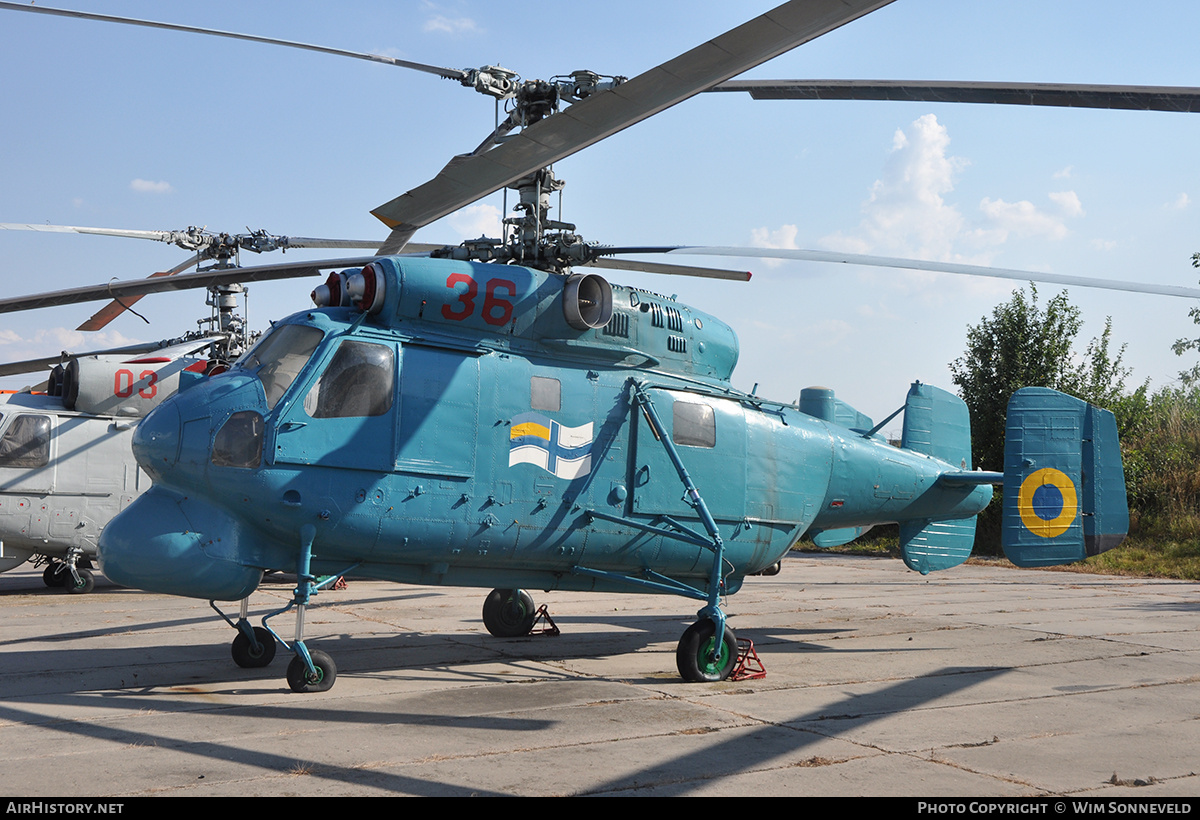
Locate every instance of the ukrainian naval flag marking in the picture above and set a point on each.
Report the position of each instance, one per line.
(564, 451)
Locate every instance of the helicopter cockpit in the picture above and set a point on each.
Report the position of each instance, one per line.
(279, 357)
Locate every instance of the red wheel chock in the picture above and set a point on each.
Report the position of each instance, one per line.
(550, 628)
(747, 666)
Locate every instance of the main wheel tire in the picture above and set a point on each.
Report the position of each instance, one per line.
(692, 657)
(51, 576)
(299, 679)
(86, 583)
(509, 613)
(244, 654)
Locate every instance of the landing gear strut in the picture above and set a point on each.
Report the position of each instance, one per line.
(72, 573)
(254, 647)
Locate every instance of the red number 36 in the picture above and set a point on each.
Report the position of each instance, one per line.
(496, 310)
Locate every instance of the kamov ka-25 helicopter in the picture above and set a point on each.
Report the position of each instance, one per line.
(66, 467)
(453, 420)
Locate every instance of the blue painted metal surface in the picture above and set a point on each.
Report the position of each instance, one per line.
(468, 434)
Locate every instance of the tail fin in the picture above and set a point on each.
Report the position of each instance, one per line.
(1064, 488)
(938, 424)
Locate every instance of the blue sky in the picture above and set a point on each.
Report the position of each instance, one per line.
(122, 127)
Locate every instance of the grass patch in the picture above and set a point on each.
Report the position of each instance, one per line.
(1136, 557)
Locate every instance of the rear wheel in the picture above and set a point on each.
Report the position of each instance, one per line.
(509, 613)
(52, 577)
(244, 653)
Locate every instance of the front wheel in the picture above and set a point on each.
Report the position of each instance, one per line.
(509, 613)
(694, 659)
(85, 584)
(300, 680)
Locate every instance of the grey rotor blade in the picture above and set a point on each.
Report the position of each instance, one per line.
(309, 242)
(190, 281)
(448, 73)
(158, 236)
(38, 365)
(173, 236)
(543, 143)
(1129, 97)
(937, 267)
(671, 270)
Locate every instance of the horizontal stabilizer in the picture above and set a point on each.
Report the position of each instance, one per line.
(928, 546)
(1064, 488)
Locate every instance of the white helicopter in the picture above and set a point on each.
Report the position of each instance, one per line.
(66, 467)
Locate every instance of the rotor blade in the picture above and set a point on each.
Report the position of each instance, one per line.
(140, 287)
(669, 270)
(37, 365)
(158, 236)
(1130, 97)
(116, 307)
(448, 73)
(467, 179)
(938, 267)
(309, 242)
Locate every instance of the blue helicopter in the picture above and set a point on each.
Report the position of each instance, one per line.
(488, 415)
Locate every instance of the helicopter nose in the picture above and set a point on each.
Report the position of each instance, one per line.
(169, 543)
(156, 439)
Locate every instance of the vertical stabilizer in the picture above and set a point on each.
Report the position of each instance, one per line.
(1064, 487)
(938, 424)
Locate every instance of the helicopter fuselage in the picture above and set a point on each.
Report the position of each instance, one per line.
(467, 433)
(63, 475)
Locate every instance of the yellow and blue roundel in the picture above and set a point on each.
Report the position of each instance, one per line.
(1048, 503)
(564, 451)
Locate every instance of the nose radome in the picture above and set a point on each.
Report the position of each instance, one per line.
(164, 542)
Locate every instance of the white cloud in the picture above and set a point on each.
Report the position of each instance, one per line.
(1021, 219)
(146, 186)
(450, 25)
(1104, 244)
(66, 339)
(1180, 202)
(1064, 173)
(783, 237)
(476, 221)
(1068, 202)
(907, 213)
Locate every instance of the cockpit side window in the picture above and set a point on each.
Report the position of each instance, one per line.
(279, 357)
(694, 424)
(26, 443)
(360, 381)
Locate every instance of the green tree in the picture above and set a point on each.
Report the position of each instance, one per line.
(1192, 375)
(1019, 345)
(1023, 344)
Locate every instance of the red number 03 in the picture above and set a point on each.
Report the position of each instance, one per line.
(123, 384)
(496, 311)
